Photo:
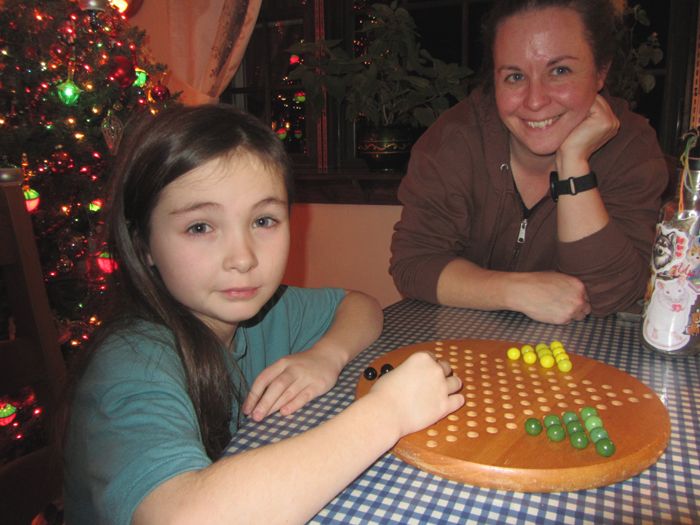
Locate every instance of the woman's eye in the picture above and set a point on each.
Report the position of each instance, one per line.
(199, 228)
(264, 222)
(514, 77)
(561, 70)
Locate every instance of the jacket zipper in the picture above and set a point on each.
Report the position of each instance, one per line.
(522, 231)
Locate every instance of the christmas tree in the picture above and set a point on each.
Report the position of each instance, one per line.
(72, 72)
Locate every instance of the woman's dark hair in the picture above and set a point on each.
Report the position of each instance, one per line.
(598, 16)
(154, 152)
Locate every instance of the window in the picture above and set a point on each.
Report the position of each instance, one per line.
(323, 147)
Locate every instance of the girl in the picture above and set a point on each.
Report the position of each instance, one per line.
(198, 225)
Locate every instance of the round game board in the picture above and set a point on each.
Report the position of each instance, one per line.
(484, 443)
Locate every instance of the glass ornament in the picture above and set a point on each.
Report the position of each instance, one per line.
(68, 92)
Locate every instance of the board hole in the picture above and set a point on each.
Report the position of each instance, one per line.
(472, 434)
(511, 426)
(492, 430)
(453, 417)
(432, 432)
(431, 443)
(451, 438)
(472, 424)
(616, 403)
(452, 428)
(545, 408)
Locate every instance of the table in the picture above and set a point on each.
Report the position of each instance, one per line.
(391, 491)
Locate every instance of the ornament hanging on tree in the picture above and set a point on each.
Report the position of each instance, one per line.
(159, 93)
(93, 5)
(141, 77)
(31, 199)
(112, 130)
(8, 412)
(68, 92)
(122, 71)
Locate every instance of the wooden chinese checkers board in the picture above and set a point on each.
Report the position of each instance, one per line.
(484, 443)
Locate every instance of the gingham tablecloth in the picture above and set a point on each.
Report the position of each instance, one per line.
(392, 491)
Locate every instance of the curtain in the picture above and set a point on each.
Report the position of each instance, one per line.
(202, 43)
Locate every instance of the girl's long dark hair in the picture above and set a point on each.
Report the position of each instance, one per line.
(154, 152)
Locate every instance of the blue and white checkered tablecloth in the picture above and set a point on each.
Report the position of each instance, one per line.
(391, 491)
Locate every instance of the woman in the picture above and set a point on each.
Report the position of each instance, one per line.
(481, 227)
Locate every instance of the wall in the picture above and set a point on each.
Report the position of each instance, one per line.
(344, 245)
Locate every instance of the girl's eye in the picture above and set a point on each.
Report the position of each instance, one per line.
(264, 222)
(199, 228)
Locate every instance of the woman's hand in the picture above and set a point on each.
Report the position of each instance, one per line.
(290, 383)
(591, 134)
(418, 392)
(550, 297)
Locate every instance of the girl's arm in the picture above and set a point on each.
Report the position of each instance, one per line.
(291, 382)
(289, 481)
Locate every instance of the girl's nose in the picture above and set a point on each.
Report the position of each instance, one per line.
(537, 96)
(240, 255)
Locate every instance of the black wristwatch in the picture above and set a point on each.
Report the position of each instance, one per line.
(572, 185)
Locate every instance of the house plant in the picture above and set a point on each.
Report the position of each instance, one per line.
(392, 89)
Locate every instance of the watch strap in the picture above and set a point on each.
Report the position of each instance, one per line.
(572, 185)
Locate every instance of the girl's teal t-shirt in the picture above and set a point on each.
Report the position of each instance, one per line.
(133, 425)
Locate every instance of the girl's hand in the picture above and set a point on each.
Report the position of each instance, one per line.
(418, 393)
(591, 134)
(290, 383)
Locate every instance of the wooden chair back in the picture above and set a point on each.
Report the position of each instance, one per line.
(30, 356)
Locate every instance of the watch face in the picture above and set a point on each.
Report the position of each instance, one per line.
(553, 179)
